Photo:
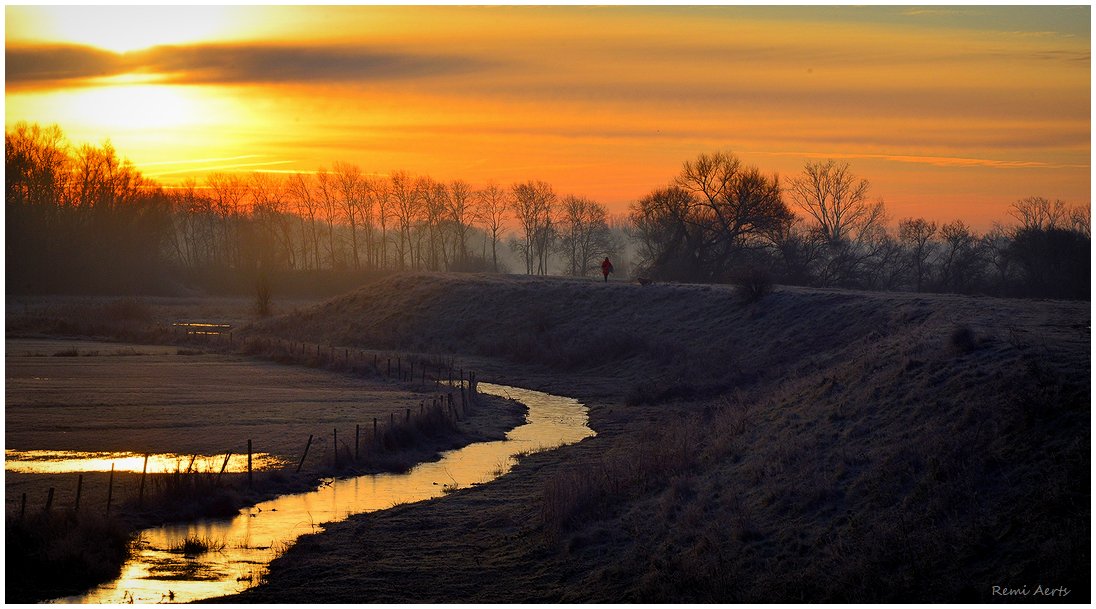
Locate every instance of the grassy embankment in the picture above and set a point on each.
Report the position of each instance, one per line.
(63, 551)
(814, 446)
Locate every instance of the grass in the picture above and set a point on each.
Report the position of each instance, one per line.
(53, 554)
(194, 545)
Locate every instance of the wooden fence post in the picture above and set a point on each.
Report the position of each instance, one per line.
(408, 417)
(110, 488)
(223, 466)
(335, 443)
(49, 499)
(144, 472)
(23, 507)
(374, 430)
(249, 478)
(307, 444)
(357, 439)
(79, 490)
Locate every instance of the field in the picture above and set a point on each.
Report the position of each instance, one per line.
(98, 399)
(817, 445)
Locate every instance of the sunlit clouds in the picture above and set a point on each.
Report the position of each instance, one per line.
(605, 102)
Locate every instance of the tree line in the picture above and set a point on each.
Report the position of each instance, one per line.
(82, 218)
(720, 220)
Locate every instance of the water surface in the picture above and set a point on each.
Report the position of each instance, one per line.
(162, 571)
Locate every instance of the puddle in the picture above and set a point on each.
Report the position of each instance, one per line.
(67, 462)
(161, 572)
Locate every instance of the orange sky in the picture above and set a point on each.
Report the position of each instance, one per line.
(950, 112)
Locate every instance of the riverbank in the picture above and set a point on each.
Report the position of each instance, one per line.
(819, 445)
(105, 397)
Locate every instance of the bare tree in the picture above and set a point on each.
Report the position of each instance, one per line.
(493, 207)
(461, 211)
(380, 196)
(1080, 219)
(349, 182)
(406, 204)
(228, 192)
(835, 199)
(36, 163)
(328, 198)
(301, 192)
(271, 208)
(960, 258)
(435, 202)
(1039, 213)
(917, 235)
(583, 233)
(533, 204)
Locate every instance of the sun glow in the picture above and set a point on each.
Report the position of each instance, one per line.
(125, 28)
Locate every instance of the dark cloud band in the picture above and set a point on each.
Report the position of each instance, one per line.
(223, 64)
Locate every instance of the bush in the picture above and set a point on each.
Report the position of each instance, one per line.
(963, 340)
(753, 284)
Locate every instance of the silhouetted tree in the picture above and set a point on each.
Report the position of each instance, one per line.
(1055, 262)
(533, 205)
(583, 234)
(917, 235)
(715, 210)
(493, 206)
(835, 199)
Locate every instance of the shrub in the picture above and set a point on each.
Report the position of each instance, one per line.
(753, 284)
(963, 340)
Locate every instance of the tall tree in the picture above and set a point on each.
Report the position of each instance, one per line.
(533, 205)
(917, 235)
(583, 233)
(493, 207)
(349, 182)
(835, 199)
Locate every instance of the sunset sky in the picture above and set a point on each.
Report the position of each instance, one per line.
(950, 112)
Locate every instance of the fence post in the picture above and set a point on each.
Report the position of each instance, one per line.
(307, 444)
(374, 430)
(49, 499)
(144, 472)
(249, 478)
(357, 439)
(23, 507)
(408, 417)
(388, 372)
(110, 488)
(223, 466)
(79, 490)
(335, 442)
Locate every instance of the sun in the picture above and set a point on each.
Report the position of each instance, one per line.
(120, 28)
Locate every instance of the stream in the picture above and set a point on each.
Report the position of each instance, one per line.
(161, 570)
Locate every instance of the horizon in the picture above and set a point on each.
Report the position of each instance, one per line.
(950, 112)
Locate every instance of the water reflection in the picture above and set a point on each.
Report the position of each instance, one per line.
(253, 538)
(69, 462)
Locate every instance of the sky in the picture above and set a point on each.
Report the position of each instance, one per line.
(951, 112)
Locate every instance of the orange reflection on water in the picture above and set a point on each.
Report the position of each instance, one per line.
(257, 534)
(68, 462)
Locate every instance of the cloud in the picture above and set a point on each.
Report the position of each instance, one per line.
(48, 63)
(60, 65)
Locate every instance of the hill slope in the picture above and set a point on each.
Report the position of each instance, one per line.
(815, 446)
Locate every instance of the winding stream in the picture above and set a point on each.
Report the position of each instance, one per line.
(160, 572)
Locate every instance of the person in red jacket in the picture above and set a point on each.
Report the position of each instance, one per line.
(606, 268)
